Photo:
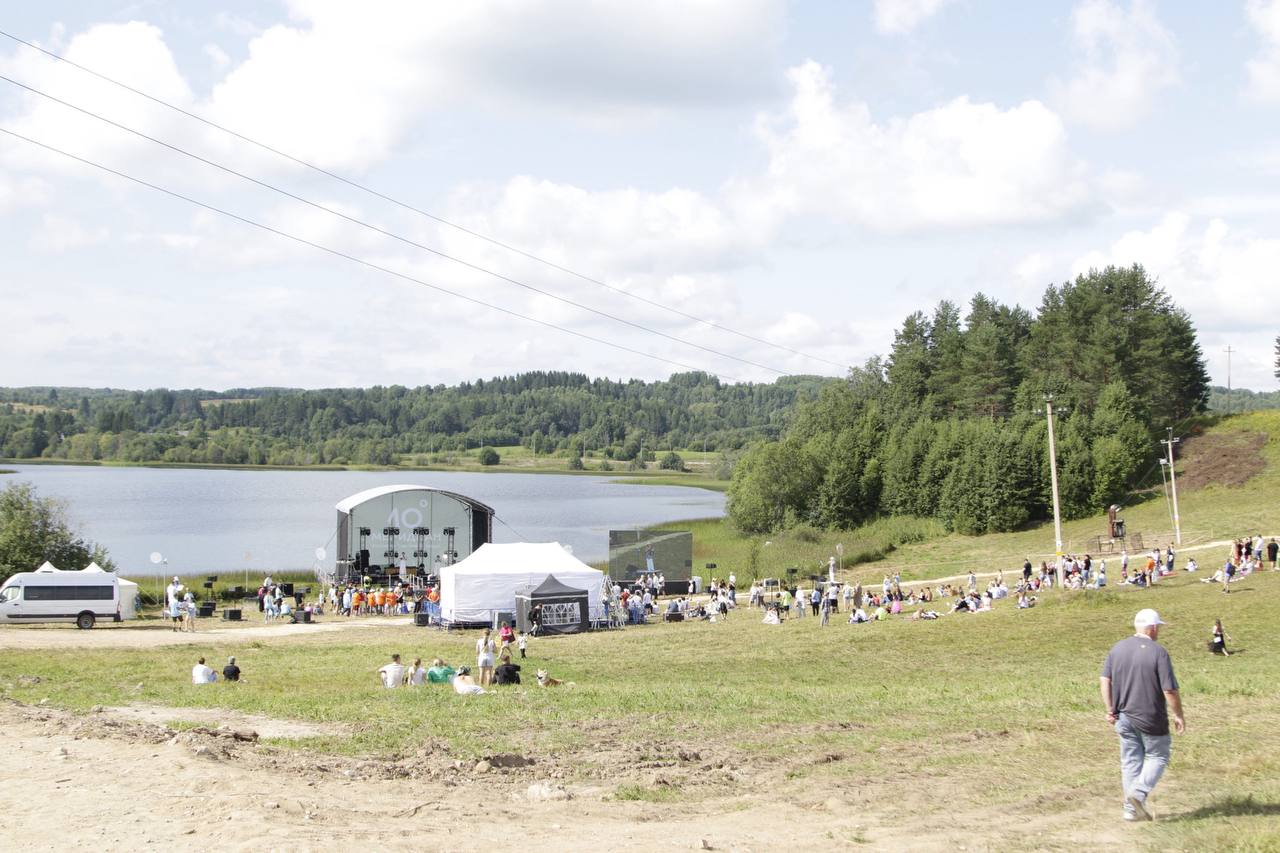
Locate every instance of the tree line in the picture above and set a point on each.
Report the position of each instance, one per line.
(951, 425)
(562, 413)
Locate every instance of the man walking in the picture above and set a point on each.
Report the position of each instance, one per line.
(1138, 691)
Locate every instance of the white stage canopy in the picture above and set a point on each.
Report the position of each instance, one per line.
(484, 584)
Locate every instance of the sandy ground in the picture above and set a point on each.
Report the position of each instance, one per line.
(99, 781)
(224, 718)
(142, 635)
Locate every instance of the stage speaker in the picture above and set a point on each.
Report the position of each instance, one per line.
(231, 614)
(364, 559)
(207, 608)
(286, 589)
(422, 620)
(302, 616)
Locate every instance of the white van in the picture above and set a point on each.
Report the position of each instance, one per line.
(54, 596)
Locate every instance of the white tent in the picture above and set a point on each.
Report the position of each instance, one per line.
(485, 583)
(128, 592)
(47, 567)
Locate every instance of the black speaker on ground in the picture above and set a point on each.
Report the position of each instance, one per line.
(231, 614)
(422, 620)
(207, 608)
(302, 616)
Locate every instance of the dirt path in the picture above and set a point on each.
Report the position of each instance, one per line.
(135, 635)
(118, 784)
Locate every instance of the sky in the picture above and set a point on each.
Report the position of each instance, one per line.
(747, 187)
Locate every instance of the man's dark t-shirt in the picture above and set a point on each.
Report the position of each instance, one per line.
(1140, 671)
(507, 673)
(1272, 549)
(231, 672)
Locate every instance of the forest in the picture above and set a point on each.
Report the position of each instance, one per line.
(549, 412)
(952, 424)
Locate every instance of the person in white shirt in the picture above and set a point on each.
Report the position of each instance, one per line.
(201, 674)
(392, 674)
(417, 674)
(173, 592)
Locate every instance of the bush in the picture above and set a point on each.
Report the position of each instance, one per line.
(34, 529)
(489, 456)
(672, 462)
(575, 463)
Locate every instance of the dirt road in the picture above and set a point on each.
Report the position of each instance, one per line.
(98, 781)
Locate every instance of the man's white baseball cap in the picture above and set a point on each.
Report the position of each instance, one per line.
(1147, 618)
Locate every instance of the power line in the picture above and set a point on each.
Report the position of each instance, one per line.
(406, 206)
(386, 233)
(349, 257)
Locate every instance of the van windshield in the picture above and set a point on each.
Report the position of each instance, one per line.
(10, 593)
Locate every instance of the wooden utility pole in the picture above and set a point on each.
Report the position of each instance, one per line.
(1053, 477)
(1173, 481)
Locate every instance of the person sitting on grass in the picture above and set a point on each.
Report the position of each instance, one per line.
(771, 616)
(507, 671)
(440, 672)
(858, 616)
(201, 674)
(231, 672)
(392, 675)
(464, 684)
(417, 674)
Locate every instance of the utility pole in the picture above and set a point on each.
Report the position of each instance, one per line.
(1053, 477)
(1173, 482)
(1229, 351)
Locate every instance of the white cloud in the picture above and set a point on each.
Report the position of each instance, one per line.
(959, 164)
(60, 234)
(341, 84)
(1218, 275)
(903, 16)
(22, 191)
(1125, 59)
(221, 61)
(1264, 69)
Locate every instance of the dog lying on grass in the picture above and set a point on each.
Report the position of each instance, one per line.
(545, 680)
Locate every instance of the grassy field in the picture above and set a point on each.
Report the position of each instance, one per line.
(995, 710)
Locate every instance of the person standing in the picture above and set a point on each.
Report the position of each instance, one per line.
(486, 650)
(1273, 551)
(1218, 643)
(1139, 690)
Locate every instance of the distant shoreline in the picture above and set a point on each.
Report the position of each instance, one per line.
(627, 478)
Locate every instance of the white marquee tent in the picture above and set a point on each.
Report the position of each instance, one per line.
(475, 589)
(128, 592)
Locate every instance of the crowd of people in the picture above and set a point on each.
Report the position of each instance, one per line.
(495, 666)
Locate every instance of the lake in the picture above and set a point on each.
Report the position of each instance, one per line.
(210, 521)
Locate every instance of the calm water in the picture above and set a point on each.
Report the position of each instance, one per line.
(224, 521)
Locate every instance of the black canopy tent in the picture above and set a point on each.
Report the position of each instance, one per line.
(564, 608)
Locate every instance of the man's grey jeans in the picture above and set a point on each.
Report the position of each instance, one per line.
(1143, 758)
